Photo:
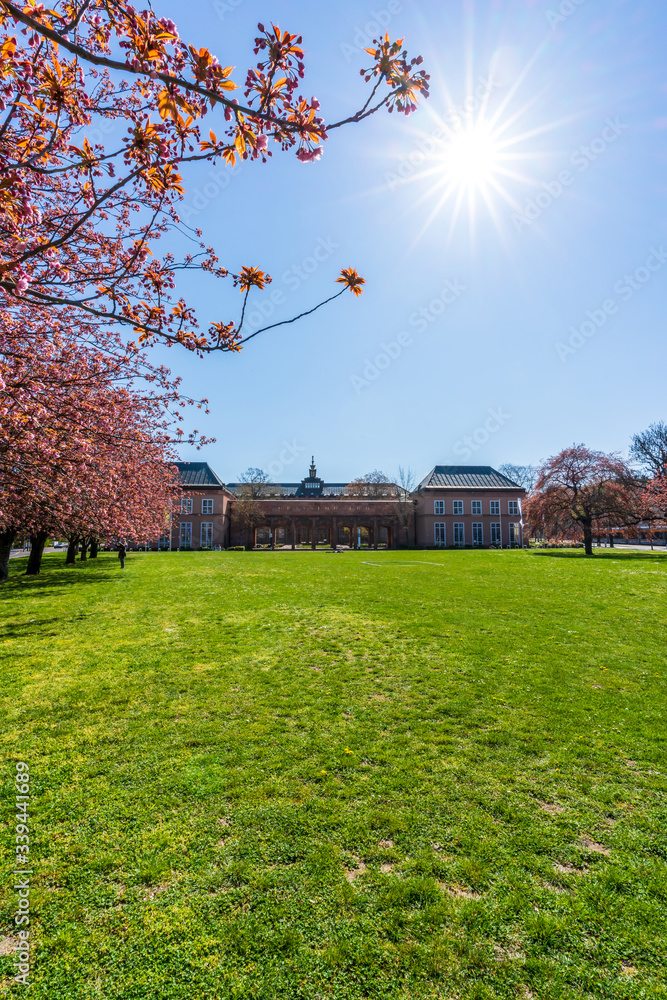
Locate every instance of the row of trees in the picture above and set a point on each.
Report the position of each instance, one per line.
(587, 493)
(88, 424)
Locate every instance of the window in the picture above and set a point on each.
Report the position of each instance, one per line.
(515, 536)
(206, 536)
(185, 536)
(163, 541)
(440, 536)
(186, 505)
(458, 507)
(476, 507)
(438, 506)
(495, 533)
(207, 506)
(477, 533)
(459, 533)
(495, 508)
(512, 506)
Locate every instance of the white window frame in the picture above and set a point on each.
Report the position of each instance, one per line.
(478, 529)
(206, 529)
(459, 534)
(207, 506)
(494, 508)
(438, 506)
(496, 536)
(476, 504)
(513, 508)
(514, 534)
(185, 534)
(440, 534)
(458, 507)
(186, 505)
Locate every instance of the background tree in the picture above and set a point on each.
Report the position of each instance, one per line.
(374, 485)
(649, 449)
(524, 475)
(255, 485)
(579, 487)
(407, 501)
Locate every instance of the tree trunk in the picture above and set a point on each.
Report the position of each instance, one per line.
(94, 547)
(6, 539)
(37, 543)
(611, 540)
(72, 547)
(588, 539)
(85, 542)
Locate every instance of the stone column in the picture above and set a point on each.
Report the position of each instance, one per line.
(354, 534)
(375, 532)
(334, 533)
(293, 534)
(313, 540)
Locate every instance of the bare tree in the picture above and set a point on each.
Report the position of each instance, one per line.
(407, 503)
(374, 485)
(255, 485)
(524, 475)
(649, 449)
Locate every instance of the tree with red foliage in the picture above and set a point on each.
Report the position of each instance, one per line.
(79, 222)
(579, 487)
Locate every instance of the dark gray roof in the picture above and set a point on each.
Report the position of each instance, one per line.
(465, 477)
(291, 490)
(197, 474)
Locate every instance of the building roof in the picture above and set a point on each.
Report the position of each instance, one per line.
(466, 477)
(197, 474)
(293, 490)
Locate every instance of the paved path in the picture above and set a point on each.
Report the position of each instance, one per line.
(24, 553)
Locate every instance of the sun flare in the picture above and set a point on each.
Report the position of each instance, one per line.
(472, 157)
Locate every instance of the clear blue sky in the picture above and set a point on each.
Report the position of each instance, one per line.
(576, 97)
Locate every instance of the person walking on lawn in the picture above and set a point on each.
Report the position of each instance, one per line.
(122, 552)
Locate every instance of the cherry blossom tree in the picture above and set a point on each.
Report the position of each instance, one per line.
(83, 450)
(580, 488)
(80, 221)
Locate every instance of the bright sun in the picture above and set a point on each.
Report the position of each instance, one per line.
(472, 158)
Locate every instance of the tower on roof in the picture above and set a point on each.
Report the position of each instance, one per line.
(312, 485)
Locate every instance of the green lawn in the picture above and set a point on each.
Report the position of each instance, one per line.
(305, 775)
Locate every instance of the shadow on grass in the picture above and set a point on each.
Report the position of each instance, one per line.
(598, 554)
(55, 575)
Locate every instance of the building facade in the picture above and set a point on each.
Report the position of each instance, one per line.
(463, 506)
(453, 507)
(203, 521)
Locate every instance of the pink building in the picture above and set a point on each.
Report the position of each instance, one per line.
(455, 506)
(468, 505)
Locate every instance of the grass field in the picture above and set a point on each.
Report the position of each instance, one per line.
(367, 775)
